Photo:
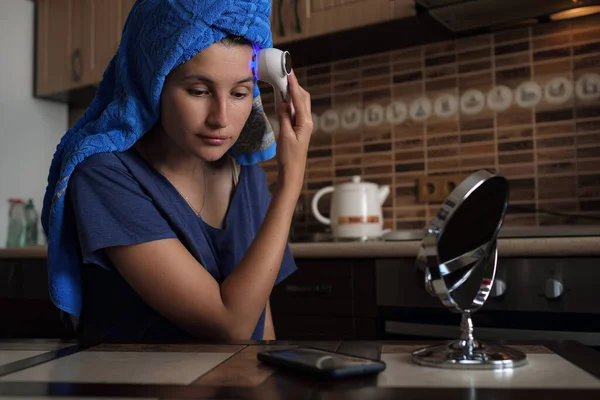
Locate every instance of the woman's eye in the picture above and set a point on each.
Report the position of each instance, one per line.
(197, 92)
(240, 95)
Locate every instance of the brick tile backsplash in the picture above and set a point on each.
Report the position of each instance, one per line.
(397, 116)
(545, 140)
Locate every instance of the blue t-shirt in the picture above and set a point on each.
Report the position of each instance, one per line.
(119, 199)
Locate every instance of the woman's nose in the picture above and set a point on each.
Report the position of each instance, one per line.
(218, 116)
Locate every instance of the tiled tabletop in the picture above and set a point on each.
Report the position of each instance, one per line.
(51, 369)
(9, 356)
(12, 351)
(174, 368)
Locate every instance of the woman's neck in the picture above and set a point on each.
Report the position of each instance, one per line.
(167, 158)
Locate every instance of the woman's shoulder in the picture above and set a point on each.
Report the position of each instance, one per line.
(107, 164)
(103, 160)
(109, 170)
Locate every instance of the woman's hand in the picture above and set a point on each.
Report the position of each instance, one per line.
(294, 136)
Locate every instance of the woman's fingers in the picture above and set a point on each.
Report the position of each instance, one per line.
(301, 101)
(285, 122)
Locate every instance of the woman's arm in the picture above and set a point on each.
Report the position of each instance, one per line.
(269, 333)
(171, 280)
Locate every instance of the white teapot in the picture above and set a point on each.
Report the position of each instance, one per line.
(355, 211)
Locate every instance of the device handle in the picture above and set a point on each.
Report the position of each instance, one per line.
(280, 99)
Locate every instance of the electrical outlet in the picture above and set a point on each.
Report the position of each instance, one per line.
(450, 182)
(430, 190)
(435, 189)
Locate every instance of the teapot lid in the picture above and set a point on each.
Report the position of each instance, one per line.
(356, 179)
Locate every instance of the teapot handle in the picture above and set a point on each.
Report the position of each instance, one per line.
(315, 201)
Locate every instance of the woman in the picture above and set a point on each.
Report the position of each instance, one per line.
(175, 232)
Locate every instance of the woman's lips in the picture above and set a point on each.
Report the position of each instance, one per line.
(213, 140)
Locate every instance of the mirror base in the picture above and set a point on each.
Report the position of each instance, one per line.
(456, 355)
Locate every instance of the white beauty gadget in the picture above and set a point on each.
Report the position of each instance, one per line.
(274, 66)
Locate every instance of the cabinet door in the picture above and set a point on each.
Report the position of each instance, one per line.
(290, 20)
(279, 21)
(58, 46)
(327, 16)
(101, 34)
(402, 9)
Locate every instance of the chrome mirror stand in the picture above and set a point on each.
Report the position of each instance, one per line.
(466, 352)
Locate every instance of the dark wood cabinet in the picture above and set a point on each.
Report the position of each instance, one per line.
(293, 20)
(103, 22)
(26, 310)
(58, 46)
(76, 39)
(326, 299)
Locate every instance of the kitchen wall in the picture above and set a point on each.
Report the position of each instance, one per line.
(30, 129)
(524, 102)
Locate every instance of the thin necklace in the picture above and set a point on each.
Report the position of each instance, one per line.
(203, 198)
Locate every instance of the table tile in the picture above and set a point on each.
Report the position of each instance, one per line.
(409, 348)
(71, 398)
(9, 356)
(123, 367)
(173, 348)
(33, 345)
(243, 369)
(542, 371)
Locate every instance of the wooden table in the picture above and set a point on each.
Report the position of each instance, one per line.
(51, 368)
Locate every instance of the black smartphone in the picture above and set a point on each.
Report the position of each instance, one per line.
(321, 363)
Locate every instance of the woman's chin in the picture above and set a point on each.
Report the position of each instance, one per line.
(212, 154)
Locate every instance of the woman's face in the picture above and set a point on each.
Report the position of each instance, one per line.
(206, 101)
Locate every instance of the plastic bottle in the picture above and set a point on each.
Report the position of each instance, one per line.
(16, 223)
(31, 224)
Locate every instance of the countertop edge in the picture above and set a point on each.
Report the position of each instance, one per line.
(28, 252)
(518, 247)
(507, 247)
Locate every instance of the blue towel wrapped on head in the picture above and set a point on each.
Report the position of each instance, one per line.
(158, 36)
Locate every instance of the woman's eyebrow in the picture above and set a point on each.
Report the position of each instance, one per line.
(202, 78)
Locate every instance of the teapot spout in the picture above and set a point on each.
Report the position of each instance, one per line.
(384, 192)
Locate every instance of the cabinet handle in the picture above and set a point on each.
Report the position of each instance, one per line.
(280, 18)
(76, 57)
(309, 289)
(297, 16)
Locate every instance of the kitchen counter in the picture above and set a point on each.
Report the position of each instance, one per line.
(521, 247)
(44, 368)
(571, 246)
(29, 252)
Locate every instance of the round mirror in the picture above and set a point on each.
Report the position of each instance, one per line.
(287, 62)
(459, 256)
